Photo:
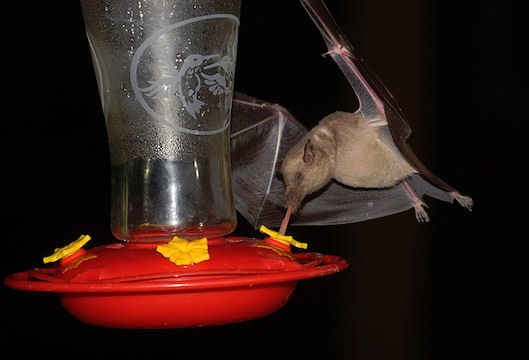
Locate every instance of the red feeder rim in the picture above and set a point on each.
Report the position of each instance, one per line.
(44, 279)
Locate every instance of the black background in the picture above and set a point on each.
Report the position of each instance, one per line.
(448, 289)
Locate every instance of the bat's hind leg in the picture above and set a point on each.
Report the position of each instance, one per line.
(465, 201)
(418, 204)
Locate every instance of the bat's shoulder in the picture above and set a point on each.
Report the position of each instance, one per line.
(340, 122)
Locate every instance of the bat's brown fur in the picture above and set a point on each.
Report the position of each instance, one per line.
(348, 148)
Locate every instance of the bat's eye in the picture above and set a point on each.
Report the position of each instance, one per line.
(299, 177)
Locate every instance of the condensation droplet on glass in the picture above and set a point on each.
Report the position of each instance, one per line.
(132, 39)
(122, 86)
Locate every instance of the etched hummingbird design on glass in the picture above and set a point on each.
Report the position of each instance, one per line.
(196, 70)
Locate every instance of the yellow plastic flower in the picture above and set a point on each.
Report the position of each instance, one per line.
(183, 252)
(63, 252)
(288, 240)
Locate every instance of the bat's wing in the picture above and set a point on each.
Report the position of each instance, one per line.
(376, 101)
(340, 204)
(261, 135)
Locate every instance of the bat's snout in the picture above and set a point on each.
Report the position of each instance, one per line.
(292, 198)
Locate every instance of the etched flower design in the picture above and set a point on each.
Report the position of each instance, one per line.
(184, 252)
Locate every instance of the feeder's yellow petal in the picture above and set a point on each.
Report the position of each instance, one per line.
(69, 249)
(179, 259)
(199, 255)
(288, 240)
(183, 252)
(165, 250)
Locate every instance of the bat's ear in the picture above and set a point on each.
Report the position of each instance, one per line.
(308, 156)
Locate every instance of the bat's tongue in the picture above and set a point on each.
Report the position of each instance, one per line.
(284, 223)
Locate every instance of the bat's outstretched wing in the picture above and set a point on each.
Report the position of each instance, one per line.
(261, 135)
(376, 101)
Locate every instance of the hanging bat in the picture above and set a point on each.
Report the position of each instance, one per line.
(351, 167)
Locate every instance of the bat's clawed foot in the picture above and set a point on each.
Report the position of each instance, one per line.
(465, 201)
(418, 204)
(420, 213)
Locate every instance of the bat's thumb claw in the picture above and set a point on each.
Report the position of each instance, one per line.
(340, 50)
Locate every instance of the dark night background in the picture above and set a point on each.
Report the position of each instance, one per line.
(449, 289)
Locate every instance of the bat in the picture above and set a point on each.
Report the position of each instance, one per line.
(351, 167)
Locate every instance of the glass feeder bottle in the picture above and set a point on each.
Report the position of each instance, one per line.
(165, 71)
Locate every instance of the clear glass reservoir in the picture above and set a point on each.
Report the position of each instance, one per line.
(165, 72)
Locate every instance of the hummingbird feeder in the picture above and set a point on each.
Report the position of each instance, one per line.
(165, 73)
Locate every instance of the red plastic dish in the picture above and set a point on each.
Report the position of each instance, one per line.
(133, 286)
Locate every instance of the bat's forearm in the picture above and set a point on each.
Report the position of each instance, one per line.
(342, 53)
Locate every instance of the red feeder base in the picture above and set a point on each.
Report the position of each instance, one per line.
(133, 286)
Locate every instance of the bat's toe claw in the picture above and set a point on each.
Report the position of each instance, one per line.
(420, 213)
(465, 201)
